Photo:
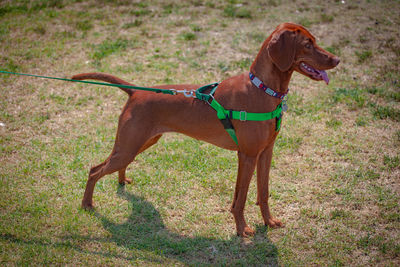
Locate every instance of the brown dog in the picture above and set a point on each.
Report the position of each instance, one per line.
(146, 116)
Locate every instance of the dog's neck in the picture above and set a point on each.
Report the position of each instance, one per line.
(269, 74)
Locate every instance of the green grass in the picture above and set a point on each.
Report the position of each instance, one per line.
(334, 175)
(364, 55)
(108, 47)
(188, 36)
(327, 18)
(237, 12)
(84, 25)
(384, 112)
(354, 98)
(306, 22)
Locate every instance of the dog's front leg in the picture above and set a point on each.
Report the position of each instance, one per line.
(263, 167)
(245, 172)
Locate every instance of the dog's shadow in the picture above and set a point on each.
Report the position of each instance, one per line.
(143, 237)
(145, 231)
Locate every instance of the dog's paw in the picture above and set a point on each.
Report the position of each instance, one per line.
(87, 206)
(247, 231)
(125, 181)
(274, 223)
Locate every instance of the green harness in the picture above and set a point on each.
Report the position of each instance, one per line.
(225, 116)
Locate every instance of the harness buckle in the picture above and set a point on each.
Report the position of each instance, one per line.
(240, 115)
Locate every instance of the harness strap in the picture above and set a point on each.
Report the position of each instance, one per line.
(222, 113)
(227, 123)
(206, 97)
(225, 115)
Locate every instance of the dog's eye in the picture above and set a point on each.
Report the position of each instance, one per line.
(308, 45)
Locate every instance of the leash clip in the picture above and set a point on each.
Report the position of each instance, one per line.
(186, 93)
(189, 93)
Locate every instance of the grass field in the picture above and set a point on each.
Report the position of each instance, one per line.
(336, 167)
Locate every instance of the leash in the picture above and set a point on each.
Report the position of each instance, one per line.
(224, 115)
(187, 93)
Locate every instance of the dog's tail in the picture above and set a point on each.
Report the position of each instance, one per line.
(106, 78)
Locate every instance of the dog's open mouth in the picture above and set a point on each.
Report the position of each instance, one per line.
(314, 73)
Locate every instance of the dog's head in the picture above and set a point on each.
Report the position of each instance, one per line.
(292, 47)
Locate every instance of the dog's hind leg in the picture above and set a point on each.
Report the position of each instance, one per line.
(122, 179)
(115, 162)
(130, 141)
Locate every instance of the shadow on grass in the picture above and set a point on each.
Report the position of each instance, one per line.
(144, 238)
(145, 231)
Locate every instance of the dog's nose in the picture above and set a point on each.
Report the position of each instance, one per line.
(335, 61)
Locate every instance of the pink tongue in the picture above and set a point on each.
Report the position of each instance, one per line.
(324, 76)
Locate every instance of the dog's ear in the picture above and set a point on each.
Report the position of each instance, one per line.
(282, 49)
